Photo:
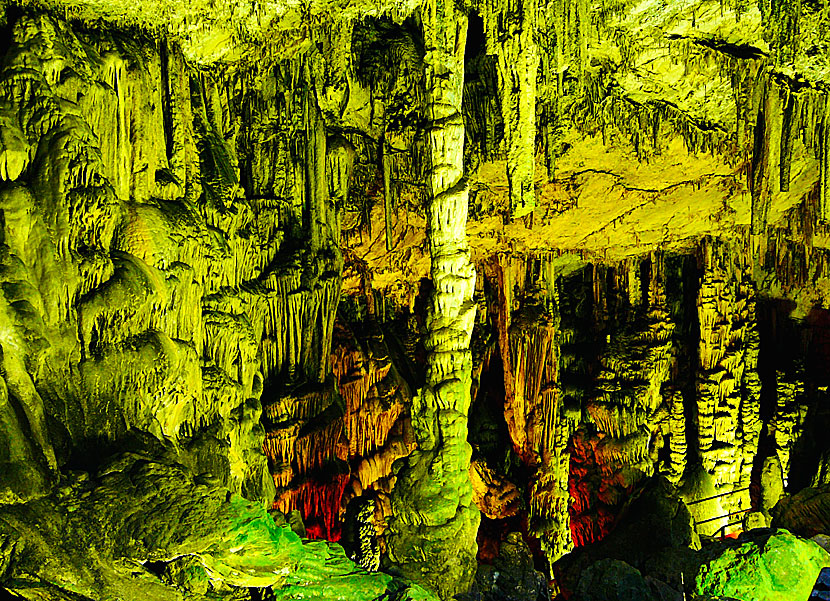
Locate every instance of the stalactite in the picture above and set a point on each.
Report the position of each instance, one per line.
(372, 391)
(340, 159)
(279, 448)
(790, 106)
(319, 225)
(181, 153)
(320, 503)
(766, 150)
(824, 158)
(483, 122)
(518, 63)
(632, 398)
(782, 21)
(494, 495)
(550, 497)
(749, 422)
(378, 465)
(527, 319)
(635, 367)
(372, 409)
(318, 447)
(303, 405)
(790, 412)
(388, 198)
(533, 359)
(298, 323)
(590, 520)
(563, 58)
(369, 427)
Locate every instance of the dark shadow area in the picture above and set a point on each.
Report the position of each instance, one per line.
(12, 14)
(488, 433)
(384, 50)
(475, 37)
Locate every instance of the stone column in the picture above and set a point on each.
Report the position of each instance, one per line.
(432, 536)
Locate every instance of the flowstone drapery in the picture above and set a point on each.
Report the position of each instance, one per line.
(518, 63)
(432, 535)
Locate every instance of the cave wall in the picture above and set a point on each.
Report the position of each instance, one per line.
(154, 280)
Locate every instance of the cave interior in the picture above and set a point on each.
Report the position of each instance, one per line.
(414, 300)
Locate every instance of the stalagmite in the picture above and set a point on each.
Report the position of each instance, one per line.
(432, 535)
(788, 420)
(750, 413)
(727, 388)
(677, 441)
(529, 342)
(236, 262)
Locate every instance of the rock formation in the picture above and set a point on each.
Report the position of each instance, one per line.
(432, 535)
(512, 298)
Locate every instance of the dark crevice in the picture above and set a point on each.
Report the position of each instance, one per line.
(167, 108)
(12, 14)
(741, 51)
(475, 37)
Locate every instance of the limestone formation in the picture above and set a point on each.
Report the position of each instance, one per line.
(511, 32)
(432, 536)
(764, 568)
(807, 513)
(479, 288)
(496, 497)
(148, 546)
(728, 396)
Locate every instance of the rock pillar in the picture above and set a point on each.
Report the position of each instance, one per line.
(432, 537)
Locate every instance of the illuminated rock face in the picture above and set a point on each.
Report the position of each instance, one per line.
(514, 23)
(93, 536)
(143, 272)
(728, 387)
(432, 534)
(329, 444)
(781, 567)
(168, 260)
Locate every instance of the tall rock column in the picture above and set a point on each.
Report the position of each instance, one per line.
(432, 536)
(728, 386)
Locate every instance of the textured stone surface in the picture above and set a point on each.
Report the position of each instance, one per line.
(613, 580)
(806, 513)
(146, 529)
(780, 567)
(511, 576)
(187, 188)
(495, 496)
(729, 388)
(432, 535)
